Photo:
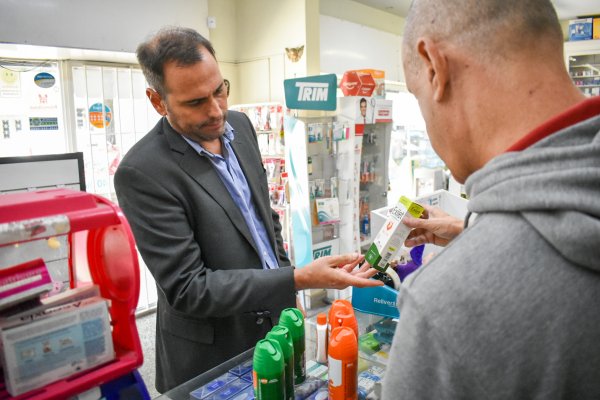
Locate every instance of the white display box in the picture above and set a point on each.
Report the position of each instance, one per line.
(448, 202)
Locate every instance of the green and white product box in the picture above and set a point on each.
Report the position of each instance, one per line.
(392, 234)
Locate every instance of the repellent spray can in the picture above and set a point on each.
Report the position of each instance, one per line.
(338, 305)
(293, 319)
(345, 318)
(282, 335)
(343, 364)
(268, 370)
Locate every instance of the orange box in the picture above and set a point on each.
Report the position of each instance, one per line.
(356, 83)
(596, 28)
(379, 77)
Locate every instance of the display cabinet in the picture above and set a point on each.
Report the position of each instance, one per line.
(321, 160)
(373, 127)
(583, 62)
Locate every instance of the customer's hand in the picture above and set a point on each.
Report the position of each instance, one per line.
(435, 226)
(335, 272)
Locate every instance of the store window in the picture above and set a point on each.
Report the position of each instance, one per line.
(31, 108)
(111, 113)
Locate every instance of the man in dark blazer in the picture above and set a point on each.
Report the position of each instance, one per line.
(195, 193)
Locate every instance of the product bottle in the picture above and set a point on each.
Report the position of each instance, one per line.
(282, 335)
(322, 338)
(338, 305)
(293, 319)
(268, 370)
(343, 364)
(309, 166)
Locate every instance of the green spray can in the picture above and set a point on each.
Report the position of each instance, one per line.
(293, 319)
(267, 370)
(282, 335)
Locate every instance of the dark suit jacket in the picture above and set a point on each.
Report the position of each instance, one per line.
(212, 289)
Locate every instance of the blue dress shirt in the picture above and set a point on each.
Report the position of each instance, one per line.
(232, 176)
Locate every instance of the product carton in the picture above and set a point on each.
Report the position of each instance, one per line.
(379, 77)
(580, 29)
(392, 235)
(356, 83)
(596, 28)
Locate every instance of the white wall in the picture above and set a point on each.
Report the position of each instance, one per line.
(115, 25)
(368, 48)
(264, 29)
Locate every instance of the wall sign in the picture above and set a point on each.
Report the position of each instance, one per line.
(311, 93)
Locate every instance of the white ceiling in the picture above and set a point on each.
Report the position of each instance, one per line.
(565, 9)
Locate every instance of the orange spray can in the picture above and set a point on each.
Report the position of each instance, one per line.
(343, 364)
(338, 305)
(345, 318)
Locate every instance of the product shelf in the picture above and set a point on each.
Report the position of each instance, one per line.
(100, 238)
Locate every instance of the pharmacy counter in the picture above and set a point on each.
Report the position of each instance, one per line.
(234, 375)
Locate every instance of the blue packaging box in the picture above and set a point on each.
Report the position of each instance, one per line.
(321, 394)
(242, 368)
(246, 394)
(211, 387)
(229, 391)
(581, 29)
(247, 377)
(378, 300)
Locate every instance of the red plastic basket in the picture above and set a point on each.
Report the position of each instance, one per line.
(113, 266)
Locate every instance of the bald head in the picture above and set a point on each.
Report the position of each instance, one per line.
(485, 73)
(489, 28)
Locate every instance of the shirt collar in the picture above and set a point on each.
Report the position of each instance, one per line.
(227, 137)
(579, 112)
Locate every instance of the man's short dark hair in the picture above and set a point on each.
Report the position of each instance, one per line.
(363, 100)
(178, 44)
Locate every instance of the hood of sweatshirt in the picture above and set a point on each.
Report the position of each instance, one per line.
(555, 185)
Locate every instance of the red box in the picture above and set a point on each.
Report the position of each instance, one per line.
(356, 83)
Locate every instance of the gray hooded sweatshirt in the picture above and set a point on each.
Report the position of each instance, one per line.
(511, 308)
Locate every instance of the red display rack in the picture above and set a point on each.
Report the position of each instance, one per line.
(113, 265)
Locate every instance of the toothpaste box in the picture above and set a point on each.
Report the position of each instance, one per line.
(392, 234)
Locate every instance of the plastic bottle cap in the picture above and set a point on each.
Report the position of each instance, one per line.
(281, 334)
(292, 319)
(340, 305)
(322, 319)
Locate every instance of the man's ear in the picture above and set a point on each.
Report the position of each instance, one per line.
(157, 101)
(436, 64)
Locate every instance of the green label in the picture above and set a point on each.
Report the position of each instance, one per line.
(373, 257)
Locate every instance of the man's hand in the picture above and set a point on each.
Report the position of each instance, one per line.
(435, 226)
(335, 272)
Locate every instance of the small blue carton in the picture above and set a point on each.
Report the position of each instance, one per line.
(211, 387)
(581, 29)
